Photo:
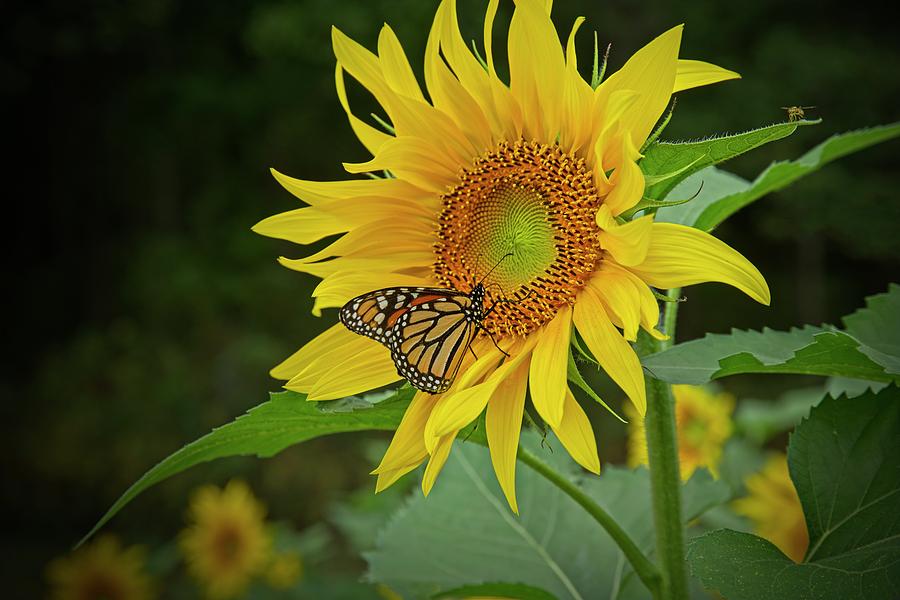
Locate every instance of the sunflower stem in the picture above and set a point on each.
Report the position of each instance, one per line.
(642, 565)
(665, 478)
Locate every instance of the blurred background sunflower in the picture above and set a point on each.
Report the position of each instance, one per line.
(772, 505)
(143, 312)
(703, 422)
(102, 569)
(227, 541)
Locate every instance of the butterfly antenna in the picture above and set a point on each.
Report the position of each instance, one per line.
(504, 257)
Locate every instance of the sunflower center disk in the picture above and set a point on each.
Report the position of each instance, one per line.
(535, 203)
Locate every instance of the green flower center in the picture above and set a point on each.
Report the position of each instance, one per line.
(512, 220)
(522, 216)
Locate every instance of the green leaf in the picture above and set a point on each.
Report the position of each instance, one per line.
(464, 533)
(843, 461)
(724, 194)
(716, 185)
(865, 351)
(807, 351)
(286, 419)
(361, 517)
(835, 386)
(877, 327)
(518, 591)
(668, 163)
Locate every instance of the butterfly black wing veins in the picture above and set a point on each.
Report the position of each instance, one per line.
(427, 330)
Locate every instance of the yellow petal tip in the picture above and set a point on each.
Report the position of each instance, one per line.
(554, 420)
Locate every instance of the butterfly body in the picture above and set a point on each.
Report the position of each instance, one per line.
(427, 330)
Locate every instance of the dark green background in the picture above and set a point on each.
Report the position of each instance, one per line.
(141, 310)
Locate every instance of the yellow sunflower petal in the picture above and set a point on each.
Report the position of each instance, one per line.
(490, 15)
(319, 193)
(331, 339)
(472, 372)
(434, 130)
(628, 244)
(368, 239)
(363, 66)
(436, 461)
(627, 180)
(651, 73)
(464, 64)
(549, 367)
(396, 262)
(640, 295)
(620, 299)
(680, 256)
(358, 373)
(536, 69)
(312, 223)
(460, 405)
(608, 346)
(337, 364)
(577, 436)
(337, 289)
(696, 73)
(503, 422)
(407, 448)
(494, 97)
(322, 353)
(458, 409)
(450, 96)
(577, 101)
(395, 66)
(508, 124)
(412, 159)
(386, 479)
(301, 225)
(608, 142)
(369, 136)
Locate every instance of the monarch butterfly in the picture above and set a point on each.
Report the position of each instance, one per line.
(427, 330)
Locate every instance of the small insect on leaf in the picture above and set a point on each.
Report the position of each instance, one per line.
(796, 113)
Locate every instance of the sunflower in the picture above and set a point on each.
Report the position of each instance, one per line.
(102, 570)
(227, 542)
(541, 168)
(704, 425)
(774, 508)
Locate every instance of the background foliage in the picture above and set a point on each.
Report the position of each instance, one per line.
(142, 311)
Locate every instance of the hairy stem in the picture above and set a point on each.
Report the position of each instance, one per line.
(644, 568)
(665, 479)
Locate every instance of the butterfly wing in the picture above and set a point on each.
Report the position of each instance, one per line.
(426, 330)
(375, 313)
(431, 342)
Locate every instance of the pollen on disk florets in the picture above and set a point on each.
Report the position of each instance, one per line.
(534, 202)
